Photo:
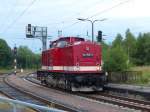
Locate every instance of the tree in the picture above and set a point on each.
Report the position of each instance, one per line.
(116, 59)
(129, 44)
(143, 49)
(118, 41)
(5, 54)
(27, 59)
(37, 63)
(104, 49)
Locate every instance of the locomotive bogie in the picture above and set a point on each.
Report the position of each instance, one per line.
(73, 82)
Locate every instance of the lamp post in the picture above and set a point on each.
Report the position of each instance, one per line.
(92, 23)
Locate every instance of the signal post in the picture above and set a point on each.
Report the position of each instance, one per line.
(37, 32)
(15, 59)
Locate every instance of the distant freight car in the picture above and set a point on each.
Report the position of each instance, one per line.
(73, 64)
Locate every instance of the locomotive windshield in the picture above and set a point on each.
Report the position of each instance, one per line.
(61, 44)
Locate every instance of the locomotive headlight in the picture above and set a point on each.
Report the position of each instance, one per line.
(98, 67)
(77, 66)
(106, 73)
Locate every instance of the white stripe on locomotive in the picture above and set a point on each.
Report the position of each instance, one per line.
(73, 68)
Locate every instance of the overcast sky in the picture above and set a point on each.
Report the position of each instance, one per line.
(62, 14)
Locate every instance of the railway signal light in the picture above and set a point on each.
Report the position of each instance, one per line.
(99, 37)
(15, 50)
(29, 32)
(37, 32)
(29, 27)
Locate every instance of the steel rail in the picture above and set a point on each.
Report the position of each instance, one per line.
(11, 93)
(117, 100)
(39, 98)
(121, 102)
(126, 98)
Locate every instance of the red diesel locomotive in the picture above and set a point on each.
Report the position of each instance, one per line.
(72, 63)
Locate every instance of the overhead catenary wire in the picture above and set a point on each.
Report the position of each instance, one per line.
(101, 12)
(108, 9)
(65, 27)
(18, 17)
(8, 16)
(71, 19)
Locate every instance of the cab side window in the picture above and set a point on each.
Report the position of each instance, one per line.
(52, 45)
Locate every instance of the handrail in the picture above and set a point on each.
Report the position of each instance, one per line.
(29, 105)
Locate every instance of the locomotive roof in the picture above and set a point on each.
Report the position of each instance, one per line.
(65, 41)
(68, 38)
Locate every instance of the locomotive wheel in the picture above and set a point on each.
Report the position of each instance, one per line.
(44, 82)
(68, 85)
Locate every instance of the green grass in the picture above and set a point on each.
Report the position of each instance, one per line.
(8, 108)
(145, 69)
(145, 78)
(5, 70)
(25, 71)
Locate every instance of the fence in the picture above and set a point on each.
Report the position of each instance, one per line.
(123, 77)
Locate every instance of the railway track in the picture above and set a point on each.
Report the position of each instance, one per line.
(116, 100)
(17, 94)
(121, 101)
(72, 101)
(12, 93)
